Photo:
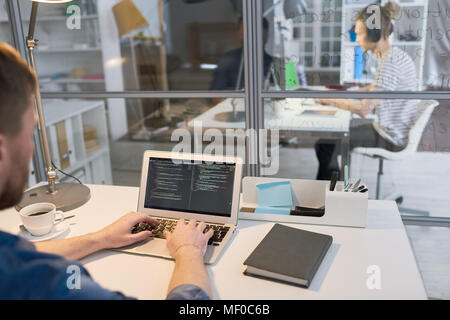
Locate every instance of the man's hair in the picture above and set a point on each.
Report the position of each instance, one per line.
(17, 84)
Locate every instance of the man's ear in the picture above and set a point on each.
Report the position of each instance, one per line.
(4, 151)
(2, 146)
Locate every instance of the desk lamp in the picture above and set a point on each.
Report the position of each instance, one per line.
(65, 196)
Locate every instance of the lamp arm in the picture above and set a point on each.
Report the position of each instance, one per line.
(52, 173)
(34, 10)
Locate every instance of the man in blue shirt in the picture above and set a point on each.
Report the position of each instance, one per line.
(230, 71)
(42, 271)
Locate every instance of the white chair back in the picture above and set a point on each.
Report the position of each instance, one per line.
(424, 111)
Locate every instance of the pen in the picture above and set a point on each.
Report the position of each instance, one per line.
(334, 177)
(348, 187)
(356, 185)
(359, 189)
(346, 175)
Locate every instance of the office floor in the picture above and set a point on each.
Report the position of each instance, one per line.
(420, 185)
(430, 246)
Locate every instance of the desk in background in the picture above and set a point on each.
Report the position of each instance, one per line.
(286, 116)
(342, 274)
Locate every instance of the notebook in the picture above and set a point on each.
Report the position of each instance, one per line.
(288, 255)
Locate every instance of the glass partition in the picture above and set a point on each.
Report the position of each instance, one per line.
(148, 45)
(326, 44)
(316, 138)
(81, 146)
(87, 49)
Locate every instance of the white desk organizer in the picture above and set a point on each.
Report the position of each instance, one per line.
(347, 209)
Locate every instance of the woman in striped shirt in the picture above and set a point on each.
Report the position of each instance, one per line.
(396, 72)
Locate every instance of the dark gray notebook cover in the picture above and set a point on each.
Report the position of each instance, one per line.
(291, 252)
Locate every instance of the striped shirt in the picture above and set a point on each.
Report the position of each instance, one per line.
(396, 72)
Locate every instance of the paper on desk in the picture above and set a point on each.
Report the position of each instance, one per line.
(274, 194)
(274, 210)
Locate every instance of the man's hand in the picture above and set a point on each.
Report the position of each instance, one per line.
(118, 234)
(188, 237)
(187, 245)
(114, 236)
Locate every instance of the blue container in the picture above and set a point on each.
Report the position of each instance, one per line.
(359, 63)
(352, 35)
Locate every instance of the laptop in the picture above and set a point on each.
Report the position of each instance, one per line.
(189, 186)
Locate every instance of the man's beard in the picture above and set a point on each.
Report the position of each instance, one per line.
(14, 187)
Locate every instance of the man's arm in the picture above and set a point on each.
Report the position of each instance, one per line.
(116, 235)
(187, 245)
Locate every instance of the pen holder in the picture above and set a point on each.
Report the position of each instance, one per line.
(349, 208)
(339, 209)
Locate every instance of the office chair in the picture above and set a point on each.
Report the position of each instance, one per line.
(425, 109)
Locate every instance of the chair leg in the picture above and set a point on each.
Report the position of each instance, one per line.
(379, 178)
(397, 197)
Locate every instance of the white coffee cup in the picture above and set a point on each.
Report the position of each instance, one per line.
(39, 218)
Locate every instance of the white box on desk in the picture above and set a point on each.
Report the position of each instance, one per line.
(348, 208)
(344, 208)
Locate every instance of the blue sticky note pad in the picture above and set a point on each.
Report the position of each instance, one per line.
(274, 210)
(274, 194)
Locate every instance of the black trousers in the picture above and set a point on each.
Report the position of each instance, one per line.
(362, 134)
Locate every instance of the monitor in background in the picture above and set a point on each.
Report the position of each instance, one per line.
(201, 188)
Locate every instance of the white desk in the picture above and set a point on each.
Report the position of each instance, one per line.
(342, 274)
(281, 114)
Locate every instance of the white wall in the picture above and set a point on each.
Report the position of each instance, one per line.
(117, 114)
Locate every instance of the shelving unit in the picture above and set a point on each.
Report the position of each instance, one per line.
(5, 31)
(66, 122)
(62, 50)
(315, 43)
(412, 22)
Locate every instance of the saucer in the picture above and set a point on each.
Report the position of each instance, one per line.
(56, 231)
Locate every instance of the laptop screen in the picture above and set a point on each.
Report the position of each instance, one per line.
(201, 188)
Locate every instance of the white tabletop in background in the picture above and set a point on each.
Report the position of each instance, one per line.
(283, 114)
(342, 274)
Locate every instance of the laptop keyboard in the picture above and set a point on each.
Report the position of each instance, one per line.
(220, 231)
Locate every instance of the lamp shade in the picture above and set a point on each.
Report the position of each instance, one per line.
(128, 17)
(294, 8)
